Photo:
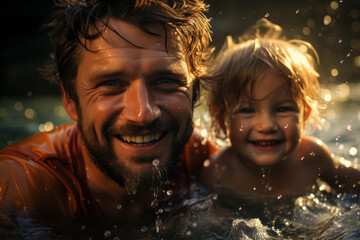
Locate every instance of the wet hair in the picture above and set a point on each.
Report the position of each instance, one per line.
(69, 25)
(238, 65)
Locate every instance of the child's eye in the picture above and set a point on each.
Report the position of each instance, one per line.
(246, 110)
(286, 109)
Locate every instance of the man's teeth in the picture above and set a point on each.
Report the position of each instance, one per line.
(266, 143)
(141, 139)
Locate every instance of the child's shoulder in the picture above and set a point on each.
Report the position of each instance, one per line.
(211, 169)
(316, 150)
(314, 144)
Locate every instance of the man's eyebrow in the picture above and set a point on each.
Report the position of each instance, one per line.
(167, 72)
(110, 74)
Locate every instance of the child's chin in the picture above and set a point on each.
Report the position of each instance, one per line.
(266, 162)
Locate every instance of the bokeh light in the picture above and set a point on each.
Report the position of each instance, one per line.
(327, 20)
(29, 113)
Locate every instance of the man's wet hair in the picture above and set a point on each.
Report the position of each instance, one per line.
(69, 25)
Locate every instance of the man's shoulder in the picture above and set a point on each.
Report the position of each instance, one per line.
(28, 169)
(55, 143)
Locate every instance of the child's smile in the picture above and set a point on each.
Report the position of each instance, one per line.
(267, 127)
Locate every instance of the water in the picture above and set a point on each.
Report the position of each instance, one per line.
(210, 215)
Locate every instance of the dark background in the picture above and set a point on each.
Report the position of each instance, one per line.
(25, 47)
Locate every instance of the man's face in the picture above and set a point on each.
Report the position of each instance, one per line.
(134, 104)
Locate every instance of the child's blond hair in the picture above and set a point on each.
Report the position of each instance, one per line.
(238, 64)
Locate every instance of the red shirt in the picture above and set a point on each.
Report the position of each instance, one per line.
(46, 156)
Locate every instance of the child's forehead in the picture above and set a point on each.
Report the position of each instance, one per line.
(268, 83)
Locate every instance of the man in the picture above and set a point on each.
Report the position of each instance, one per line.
(129, 76)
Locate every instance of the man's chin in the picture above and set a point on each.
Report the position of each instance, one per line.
(144, 177)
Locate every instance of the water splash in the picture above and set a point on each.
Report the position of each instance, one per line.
(156, 163)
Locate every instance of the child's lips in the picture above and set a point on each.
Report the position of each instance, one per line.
(266, 145)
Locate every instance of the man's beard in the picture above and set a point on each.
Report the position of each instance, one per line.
(104, 156)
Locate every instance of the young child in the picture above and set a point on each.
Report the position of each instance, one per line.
(264, 90)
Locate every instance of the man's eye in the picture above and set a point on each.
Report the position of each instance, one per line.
(112, 83)
(110, 87)
(166, 81)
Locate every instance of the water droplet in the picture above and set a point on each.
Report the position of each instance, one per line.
(312, 154)
(340, 40)
(279, 197)
(107, 233)
(215, 197)
(348, 55)
(118, 207)
(267, 15)
(241, 128)
(254, 188)
(349, 127)
(286, 126)
(143, 229)
(188, 233)
(154, 203)
(341, 1)
(169, 192)
(341, 61)
(302, 158)
(159, 225)
(83, 227)
(337, 138)
(156, 162)
(297, 11)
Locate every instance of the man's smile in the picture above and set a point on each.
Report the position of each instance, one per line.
(141, 139)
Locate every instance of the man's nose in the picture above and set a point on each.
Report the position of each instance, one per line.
(266, 122)
(139, 105)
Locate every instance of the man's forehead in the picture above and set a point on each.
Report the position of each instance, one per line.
(126, 35)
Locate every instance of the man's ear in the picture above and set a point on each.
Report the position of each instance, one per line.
(69, 104)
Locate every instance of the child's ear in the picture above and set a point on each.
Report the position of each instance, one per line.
(307, 112)
(219, 118)
(69, 104)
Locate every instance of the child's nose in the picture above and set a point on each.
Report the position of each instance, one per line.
(266, 122)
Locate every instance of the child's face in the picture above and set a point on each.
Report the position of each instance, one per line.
(267, 127)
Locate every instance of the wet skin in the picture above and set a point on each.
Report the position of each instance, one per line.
(134, 106)
(266, 128)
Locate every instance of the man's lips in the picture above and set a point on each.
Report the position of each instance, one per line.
(141, 140)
